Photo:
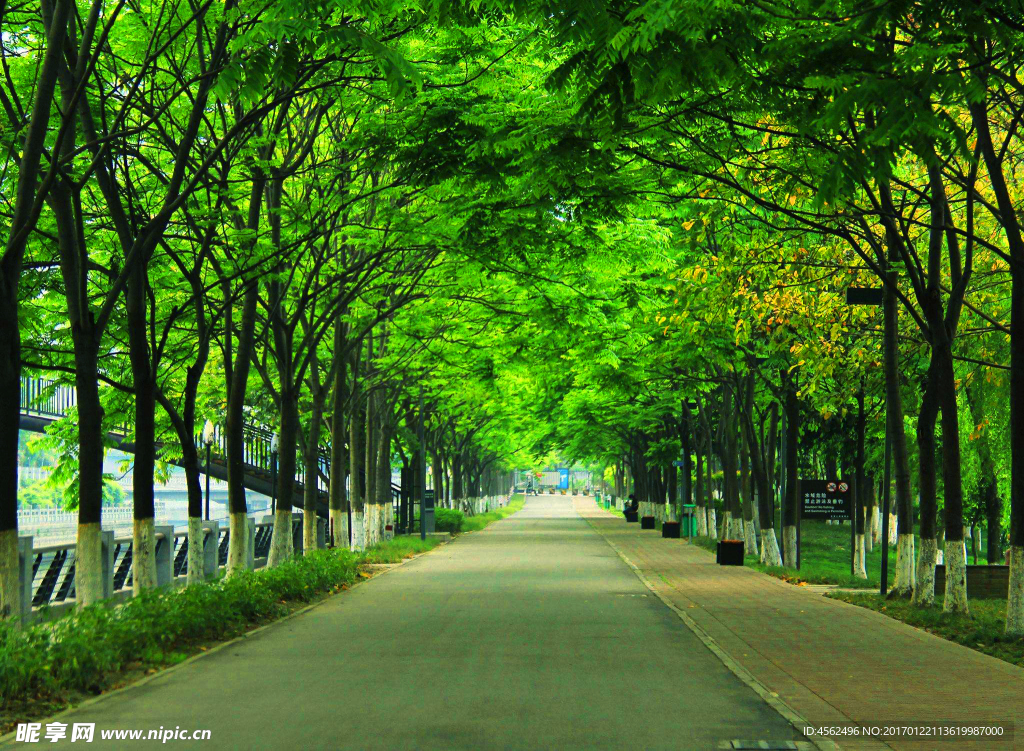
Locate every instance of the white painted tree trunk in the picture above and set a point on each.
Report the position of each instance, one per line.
(956, 578)
(789, 545)
(88, 565)
(10, 585)
(712, 523)
(702, 522)
(339, 521)
(905, 579)
(358, 536)
(1015, 596)
(924, 588)
(869, 537)
(770, 548)
(143, 555)
(859, 567)
(308, 532)
(749, 540)
(373, 524)
(282, 546)
(876, 527)
(727, 527)
(194, 572)
(238, 542)
(737, 532)
(893, 530)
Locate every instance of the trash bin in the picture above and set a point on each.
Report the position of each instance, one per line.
(730, 552)
(647, 522)
(689, 526)
(670, 529)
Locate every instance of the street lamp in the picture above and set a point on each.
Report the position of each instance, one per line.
(208, 430)
(274, 441)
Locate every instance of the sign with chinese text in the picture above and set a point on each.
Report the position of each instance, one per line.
(825, 499)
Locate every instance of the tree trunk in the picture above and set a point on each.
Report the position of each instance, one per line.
(144, 464)
(790, 520)
(311, 494)
(338, 498)
(924, 591)
(702, 518)
(88, 553)
(10, 420)
(357, 460)
(860, 491)
(749, 541)
(905, 580)
(282, 546)
(194, 568)
(21, 223)
(370, 472)
(955, 600)
(384, 505)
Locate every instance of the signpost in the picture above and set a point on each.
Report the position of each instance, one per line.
(427, 515)
(563, 479)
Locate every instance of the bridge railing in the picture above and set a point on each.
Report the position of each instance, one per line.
(48, 398)
(48, 571)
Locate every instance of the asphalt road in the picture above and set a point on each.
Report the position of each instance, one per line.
(532, 634)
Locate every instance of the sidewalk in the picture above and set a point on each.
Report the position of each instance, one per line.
(827, 661)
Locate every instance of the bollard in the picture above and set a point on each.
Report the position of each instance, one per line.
(211, 542)
(164, 554)
(25, 576)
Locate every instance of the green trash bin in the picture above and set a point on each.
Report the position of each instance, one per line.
(688, 528)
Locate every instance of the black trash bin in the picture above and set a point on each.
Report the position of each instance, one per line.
(730, 552)
(670, 529)
(647, 522)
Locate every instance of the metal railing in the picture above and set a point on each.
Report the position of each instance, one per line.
(49, 571)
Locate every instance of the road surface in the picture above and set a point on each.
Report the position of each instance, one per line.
(532, 634)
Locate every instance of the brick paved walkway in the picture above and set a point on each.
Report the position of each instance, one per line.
(830, 662)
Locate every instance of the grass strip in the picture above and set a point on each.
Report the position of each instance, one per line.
(982, 630)
(478, 522)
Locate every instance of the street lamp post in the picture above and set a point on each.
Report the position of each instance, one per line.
(273, 473)
(208, 431)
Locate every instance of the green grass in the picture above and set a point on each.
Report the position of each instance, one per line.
(614, 511)
(398, 549)
(478, 522)
(824, 558)
(982, 630)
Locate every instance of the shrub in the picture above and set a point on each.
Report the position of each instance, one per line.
(81, 651)
(448, 520)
